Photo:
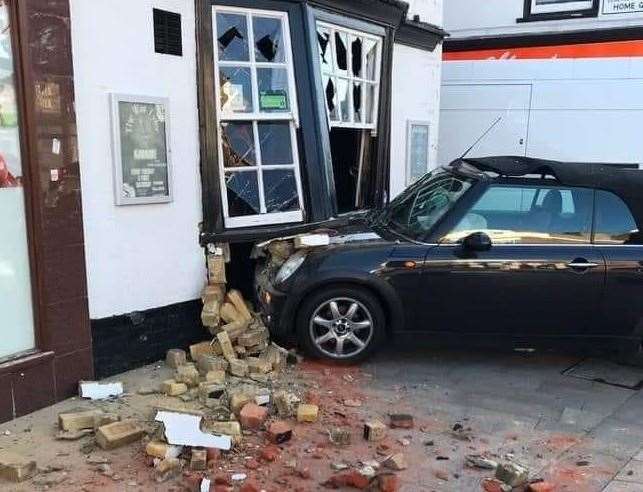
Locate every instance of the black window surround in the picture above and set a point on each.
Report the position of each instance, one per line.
(530, 16)
(382, 17)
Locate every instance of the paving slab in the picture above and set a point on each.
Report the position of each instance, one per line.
(632, 472)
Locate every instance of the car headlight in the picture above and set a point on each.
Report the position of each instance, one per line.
(290, 267)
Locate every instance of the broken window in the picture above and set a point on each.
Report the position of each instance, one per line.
(350, 67)
(257, 117)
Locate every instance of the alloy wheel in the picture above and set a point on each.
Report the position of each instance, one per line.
(341, 327)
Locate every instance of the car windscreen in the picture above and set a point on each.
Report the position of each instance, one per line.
(414, 213)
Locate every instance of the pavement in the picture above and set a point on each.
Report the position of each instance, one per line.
(578, 435)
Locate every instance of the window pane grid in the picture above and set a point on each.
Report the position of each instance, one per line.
(272, 89)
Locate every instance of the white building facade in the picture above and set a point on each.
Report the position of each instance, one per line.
(556, 79)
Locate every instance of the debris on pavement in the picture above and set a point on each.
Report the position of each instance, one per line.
(183, 429)
(117, 434)
(16, 468)
(100, 391)
(512, 474)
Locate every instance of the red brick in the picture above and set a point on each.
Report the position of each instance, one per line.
(279, 432)
(401, 421)
(541, 487)
(492, 485)
(222, 479)
(388, 482)
(270, 453)
(252, 464)
(221, 488)
(351, 479)
(312, 398)
(253, 416)
(213, 454)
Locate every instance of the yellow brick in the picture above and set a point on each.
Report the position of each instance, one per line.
(307, 413)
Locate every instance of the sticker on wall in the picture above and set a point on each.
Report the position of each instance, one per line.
(141, 150)
(273, 100)
(622, 7)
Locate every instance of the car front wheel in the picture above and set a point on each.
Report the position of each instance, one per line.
(341, 323)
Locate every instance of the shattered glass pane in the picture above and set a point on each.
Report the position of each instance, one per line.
(357, 102)
(323, 43)
(243, 193)
(273, 89)
(238, 144)
(331, 99)
(370, 47)
(369, 102)
(341, 53)
(343, 92)
(356, 53)
(275, 143)
(280, 188)
(235, 93)
(232, 30)
(269, 45)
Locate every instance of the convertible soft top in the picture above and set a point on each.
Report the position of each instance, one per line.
(625, 182)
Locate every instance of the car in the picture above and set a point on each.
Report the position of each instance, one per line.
(504, 249)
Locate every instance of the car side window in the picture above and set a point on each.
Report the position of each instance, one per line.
(615, 223)
(517, 214)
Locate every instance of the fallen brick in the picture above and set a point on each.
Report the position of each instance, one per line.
(74, 421)
(211, 391)
(312, 397)
(229, 313)
(541, 487)
(257, 365)
(216, 270)
(187, 374)
(340, 437)
(279, 432)
(235, 298)
(238, 367)
(235, 329)
(285, 403)
(226, 346)
(105, 418)
(512, 474)
(203, 348)
(175, 357)
(350, 479)
(15, 467)
(270, 453)
(238, 400)
(276, 358)
(387, 482)
(171, 388)
(254, 337)
(396, 462)
(217, 377)
(231, 428)
(494, 485)
(118, 434)
(252, 416)
(207, 362)
(167, 468)
(162, 450)
(210, 314)
(198, 459)
(213, 292)
(401, 421)
(374, 431)
(307, 413)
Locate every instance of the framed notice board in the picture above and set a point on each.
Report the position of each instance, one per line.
(141, 149)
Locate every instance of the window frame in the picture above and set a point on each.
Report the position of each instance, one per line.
(409, 128)
(255, 117)
(531, 11)
(349, 77)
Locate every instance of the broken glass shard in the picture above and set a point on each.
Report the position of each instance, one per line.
(280, 188)
(343, 93)
(357, 102)
(329, 89)
(232, 31)
(323, 43)
(341, 53)
(243, 193)
(370, 48)
(235, 93)
(268, 39)
(238, 144)
(356, 54)
(275, 143)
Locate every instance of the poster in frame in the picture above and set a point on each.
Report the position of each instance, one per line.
(141, 149)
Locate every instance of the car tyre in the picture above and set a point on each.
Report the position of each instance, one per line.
(357, 318)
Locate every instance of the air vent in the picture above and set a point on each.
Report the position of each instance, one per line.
(167, 33)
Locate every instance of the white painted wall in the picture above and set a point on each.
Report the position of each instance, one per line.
(144, 256)
(583, 109)
(428, 10)
(466, 18)
(415, 96)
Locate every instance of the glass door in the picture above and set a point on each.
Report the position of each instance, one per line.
(16, 311)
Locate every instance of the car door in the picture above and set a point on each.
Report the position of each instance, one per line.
(541, 275)
(618, 238)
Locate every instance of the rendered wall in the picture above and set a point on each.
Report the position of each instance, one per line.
(143, 256)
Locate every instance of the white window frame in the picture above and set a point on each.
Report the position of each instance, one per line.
(351, 79)
(256, 116)
(409, 128)
(561, 7)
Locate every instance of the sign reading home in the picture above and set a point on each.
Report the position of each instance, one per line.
(622, 6)
(141, 150)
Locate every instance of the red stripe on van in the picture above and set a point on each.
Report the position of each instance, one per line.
(611, 49)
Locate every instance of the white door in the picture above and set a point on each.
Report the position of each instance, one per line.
(467, 111)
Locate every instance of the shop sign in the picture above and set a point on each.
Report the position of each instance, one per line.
(141, 150)
(622, 6)
(273, 100)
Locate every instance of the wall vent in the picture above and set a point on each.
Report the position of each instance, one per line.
(167, 33)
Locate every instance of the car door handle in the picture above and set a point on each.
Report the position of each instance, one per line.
(582, 264)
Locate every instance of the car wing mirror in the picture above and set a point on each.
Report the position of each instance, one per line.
(478, 241)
